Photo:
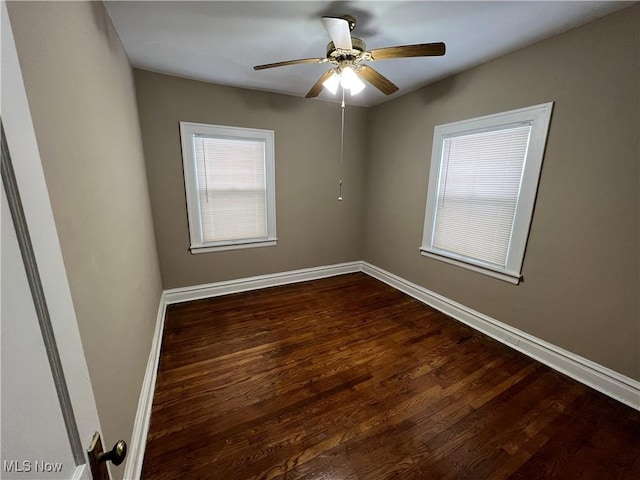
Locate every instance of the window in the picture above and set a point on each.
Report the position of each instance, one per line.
(229, 176)
(482, 188)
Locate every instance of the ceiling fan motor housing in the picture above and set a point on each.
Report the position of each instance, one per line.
(338, 54)
(351, 20)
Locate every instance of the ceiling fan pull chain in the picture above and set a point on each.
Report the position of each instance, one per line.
(341, 145)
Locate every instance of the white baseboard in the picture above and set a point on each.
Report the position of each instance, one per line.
(605, 380)
(133, 467)
(197, 292)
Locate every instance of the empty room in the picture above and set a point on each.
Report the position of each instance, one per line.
(320, 240)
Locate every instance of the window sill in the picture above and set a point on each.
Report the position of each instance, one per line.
(510, 277)
(271, 242)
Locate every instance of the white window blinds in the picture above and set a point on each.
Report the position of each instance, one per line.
(229, 179)
(483, 182)
(478, 190)
(231, 188)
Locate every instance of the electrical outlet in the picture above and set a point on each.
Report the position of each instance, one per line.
(513, 340)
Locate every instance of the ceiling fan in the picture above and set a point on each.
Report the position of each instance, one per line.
(348, 53)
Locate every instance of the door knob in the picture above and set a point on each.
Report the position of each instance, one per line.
(98, 459)
(116, 455)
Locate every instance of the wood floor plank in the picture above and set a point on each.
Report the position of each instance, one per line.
(348, 378)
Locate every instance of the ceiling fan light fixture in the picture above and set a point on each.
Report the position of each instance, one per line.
(332, 83)
(357, 87)
(350, 80)
(346, 52)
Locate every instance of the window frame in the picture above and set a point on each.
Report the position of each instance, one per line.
(539, 117)
(188, 132)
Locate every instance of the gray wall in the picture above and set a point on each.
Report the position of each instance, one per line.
(82, 99)
(581, 285)
(313, 228)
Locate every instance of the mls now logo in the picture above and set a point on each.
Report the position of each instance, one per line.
(17, 466)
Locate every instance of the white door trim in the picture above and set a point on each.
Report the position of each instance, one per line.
(29, 175)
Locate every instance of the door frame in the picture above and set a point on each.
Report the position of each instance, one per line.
(40, 223)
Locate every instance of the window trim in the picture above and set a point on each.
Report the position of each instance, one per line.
(187, 132)
(538, 116)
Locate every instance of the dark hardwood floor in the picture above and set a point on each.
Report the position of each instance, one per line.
(347, 378)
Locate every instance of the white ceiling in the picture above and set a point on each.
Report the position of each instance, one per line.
(220, 42)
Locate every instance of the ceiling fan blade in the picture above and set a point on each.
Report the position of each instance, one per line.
(338, 29)
(404, 51)
(290, 62)
(378, 80)
(317, 87)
